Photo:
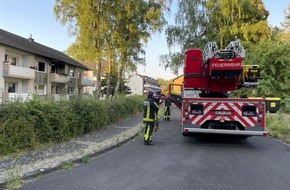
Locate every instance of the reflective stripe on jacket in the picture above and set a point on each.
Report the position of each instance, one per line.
(150, 109)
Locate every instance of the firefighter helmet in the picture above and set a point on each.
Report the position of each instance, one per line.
(150, 94)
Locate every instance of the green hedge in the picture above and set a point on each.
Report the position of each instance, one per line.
(26, 125)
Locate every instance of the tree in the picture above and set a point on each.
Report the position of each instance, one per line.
(274, 61)
(111, 28)
(123, 88)
(286, 23)
(214, 20)
(233, 19)
(284, 35)
(164, 84)
(137, 20)
(188, 32)
(89, 22)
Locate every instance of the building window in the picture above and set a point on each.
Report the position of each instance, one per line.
(12, 87)
(71, 73)
(57, 89)
(58, 68)
(41, 66)
(40, 89)
(71, 90)
(12, 59)
(53, 68)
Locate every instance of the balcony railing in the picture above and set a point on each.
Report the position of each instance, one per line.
(22, 97)
(17, 72)
(59, 78)
(85, 82)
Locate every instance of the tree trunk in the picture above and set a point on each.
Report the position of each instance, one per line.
(120, 72)
(108, 92)
(98, 79)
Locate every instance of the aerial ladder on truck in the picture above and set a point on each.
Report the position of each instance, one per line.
(226, 66)
(214, 74)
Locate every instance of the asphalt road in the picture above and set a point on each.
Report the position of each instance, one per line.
(176, 162)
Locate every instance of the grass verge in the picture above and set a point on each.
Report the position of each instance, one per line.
(279, 126)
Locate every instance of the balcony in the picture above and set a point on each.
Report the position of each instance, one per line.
(17, 72)
(59, 78)
(22, 97)
(85, 82)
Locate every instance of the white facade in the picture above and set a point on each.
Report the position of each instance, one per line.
(140, 84)
(136, 85)
(16, 76)
(23, 74)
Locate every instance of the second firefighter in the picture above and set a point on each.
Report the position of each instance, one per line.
(150, 111)
(167, 108)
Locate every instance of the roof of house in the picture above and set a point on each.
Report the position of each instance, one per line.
(148, 79)
(31, 46)
(92, 65)
(177, 77)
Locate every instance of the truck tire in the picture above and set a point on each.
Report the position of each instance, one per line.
(243, 137)
(185, 134)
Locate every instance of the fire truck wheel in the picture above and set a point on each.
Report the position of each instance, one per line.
(185, 134)
(243, 137)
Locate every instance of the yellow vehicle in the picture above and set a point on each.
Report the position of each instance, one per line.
(273, 104)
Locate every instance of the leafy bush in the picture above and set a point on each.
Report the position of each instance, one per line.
(278, 126)
(17, 134)
(25, 125)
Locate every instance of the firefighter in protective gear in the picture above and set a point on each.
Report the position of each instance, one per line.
(156, 98)
(167, 108)
(149, 117)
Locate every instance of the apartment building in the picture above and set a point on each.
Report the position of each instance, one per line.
(140, 84)
(27, 68)
(91, 74)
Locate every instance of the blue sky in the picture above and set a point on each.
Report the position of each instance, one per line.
(25, 17)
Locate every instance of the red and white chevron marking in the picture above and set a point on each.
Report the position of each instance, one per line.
(235, 108)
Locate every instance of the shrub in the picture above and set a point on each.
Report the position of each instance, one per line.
(24, 125)
(17, 134)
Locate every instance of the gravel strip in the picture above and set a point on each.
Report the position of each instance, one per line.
(31, 163)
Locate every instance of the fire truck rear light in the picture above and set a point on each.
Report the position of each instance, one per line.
(185, 130)
(260, 108)
(186, 105)
(265, 134)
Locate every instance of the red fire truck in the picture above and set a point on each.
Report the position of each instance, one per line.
(213, 74)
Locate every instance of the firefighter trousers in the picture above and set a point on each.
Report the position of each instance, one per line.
(167, 113)
(149, 126)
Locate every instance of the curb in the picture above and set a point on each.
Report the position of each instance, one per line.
(29, 171)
